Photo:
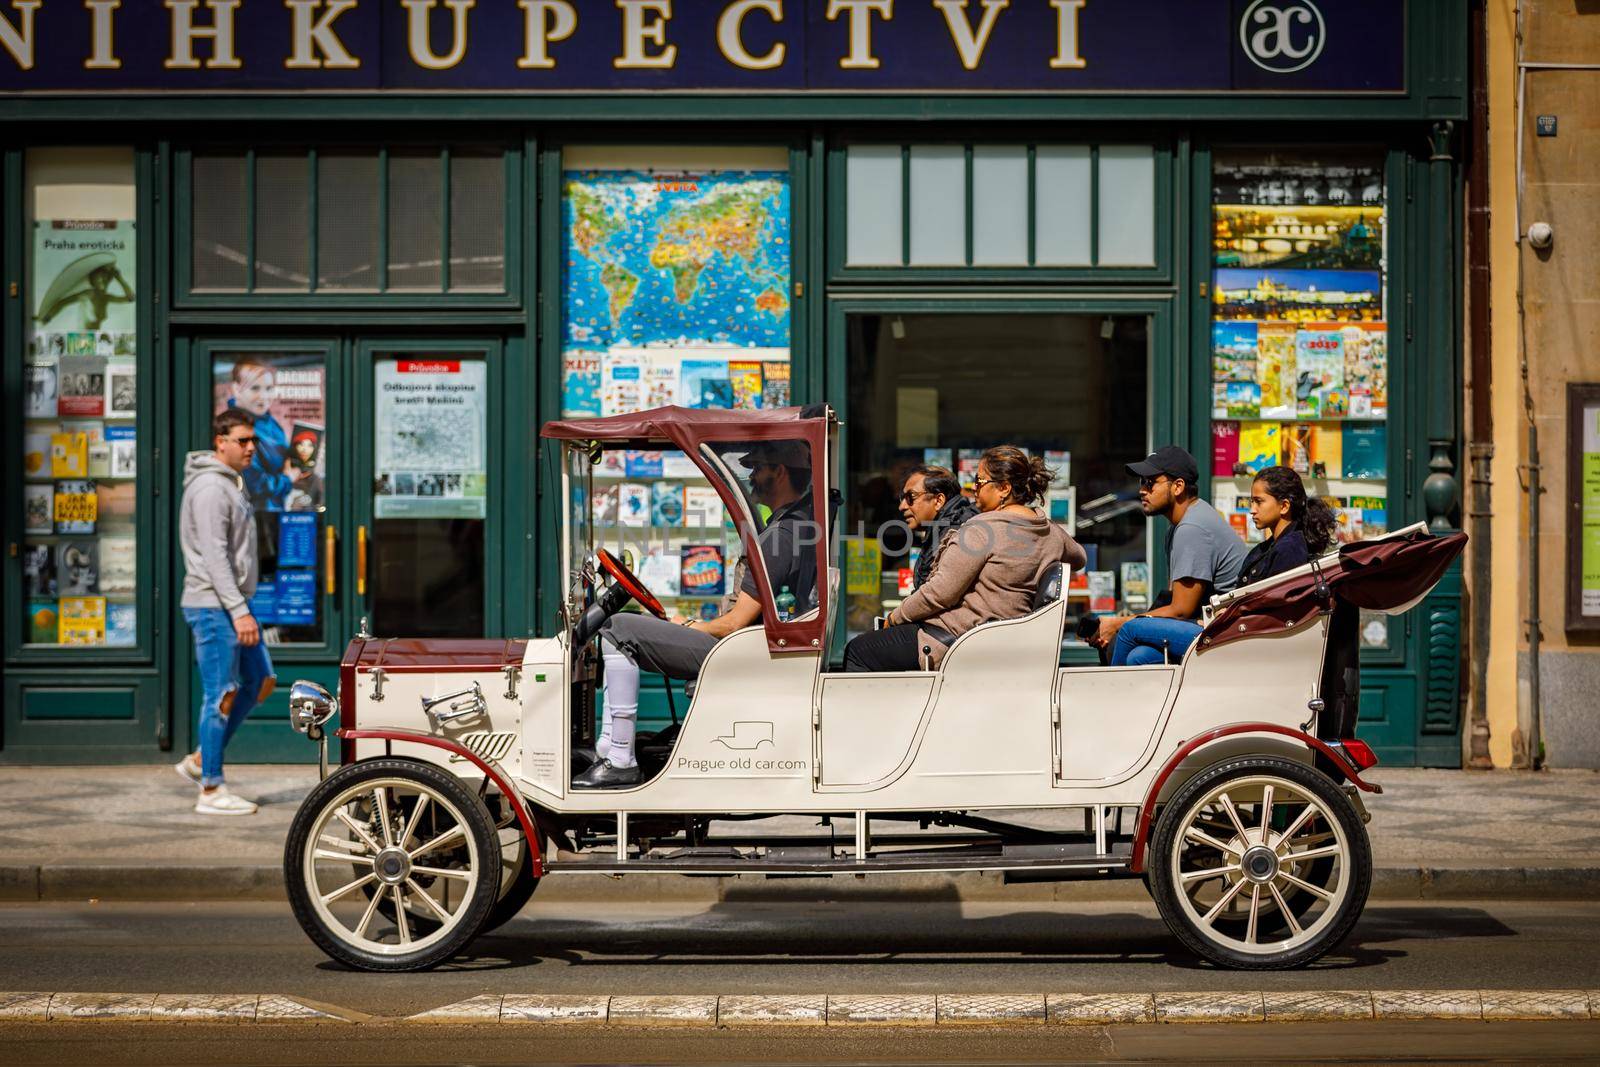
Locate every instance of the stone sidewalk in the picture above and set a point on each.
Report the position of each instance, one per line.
(129, 832)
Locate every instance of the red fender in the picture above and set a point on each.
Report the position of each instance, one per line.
(529, 831)
(1147, 811)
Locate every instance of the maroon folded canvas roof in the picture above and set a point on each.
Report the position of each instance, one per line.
(1379, 575)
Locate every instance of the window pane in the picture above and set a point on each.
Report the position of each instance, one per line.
(283, 224)
(285, 395)
(1061, 206)
(430, 494)
(218, 216)
(1299, 342)
(1072, 388)
(347, 221)
(1127, 206)
(938, 205)
(415, 224)
(80, 402)
(1000, 205)
(873, 204)
(477, 223)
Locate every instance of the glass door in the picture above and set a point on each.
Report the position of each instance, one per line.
(422, 539)
(291, 390)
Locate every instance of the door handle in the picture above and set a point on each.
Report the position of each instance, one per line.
(330, 557)
(361, 561)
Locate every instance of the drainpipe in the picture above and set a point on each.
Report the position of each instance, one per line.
(1481, 421)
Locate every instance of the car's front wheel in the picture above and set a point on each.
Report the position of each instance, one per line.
(396, 832)
(1260, 863)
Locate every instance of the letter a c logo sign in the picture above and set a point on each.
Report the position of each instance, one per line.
(1282, 36)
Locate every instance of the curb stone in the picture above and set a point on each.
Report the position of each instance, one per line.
(1316, 1007)
(989, 1009)
(903, 1010)
(1427, 1004)
(237, 882)
(1101, 1009)
(1210, 1008)
(552, 1008)
(780, 1010)
(906, 1009)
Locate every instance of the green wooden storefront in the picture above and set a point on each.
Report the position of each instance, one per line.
(135, 702)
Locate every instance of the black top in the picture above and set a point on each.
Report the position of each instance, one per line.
(1275, 555)
(931, 536)
(789, 549)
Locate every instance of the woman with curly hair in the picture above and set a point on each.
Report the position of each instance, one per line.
(987, 569)
(1299, 528)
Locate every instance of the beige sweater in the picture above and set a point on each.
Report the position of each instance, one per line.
(988, 568)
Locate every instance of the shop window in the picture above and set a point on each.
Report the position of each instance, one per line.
(1071, 388)
(283, 224)
(1018, 206)
(83, 573)
(1300, 342)
(347, 220)
(676, 284)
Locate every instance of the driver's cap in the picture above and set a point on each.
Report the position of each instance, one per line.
(787, 453)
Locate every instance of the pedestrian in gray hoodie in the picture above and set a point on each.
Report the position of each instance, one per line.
(216, 529)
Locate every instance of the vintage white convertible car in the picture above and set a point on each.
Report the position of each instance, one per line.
(1228, 781)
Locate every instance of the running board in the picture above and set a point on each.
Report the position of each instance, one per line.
(1110, 866)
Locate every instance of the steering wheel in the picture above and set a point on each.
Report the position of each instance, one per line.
(629, 583)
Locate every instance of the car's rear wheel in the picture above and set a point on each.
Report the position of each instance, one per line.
(1260, 864)
(417, 837)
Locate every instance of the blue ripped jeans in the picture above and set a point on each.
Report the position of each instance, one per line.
(1148, 640)
(225, 666)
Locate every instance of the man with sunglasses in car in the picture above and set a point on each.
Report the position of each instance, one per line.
(1204, 557)
(931, 503)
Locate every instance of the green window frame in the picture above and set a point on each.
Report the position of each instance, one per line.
(509, 295)
(1160, 270)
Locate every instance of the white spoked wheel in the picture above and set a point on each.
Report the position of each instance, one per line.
(1260, 863)
(392, 865)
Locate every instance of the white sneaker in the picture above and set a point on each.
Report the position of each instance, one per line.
(188, 769)
(222, 802)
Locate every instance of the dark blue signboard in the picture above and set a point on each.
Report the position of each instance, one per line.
(932, 46)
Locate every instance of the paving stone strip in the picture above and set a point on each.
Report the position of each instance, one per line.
(885, 1010)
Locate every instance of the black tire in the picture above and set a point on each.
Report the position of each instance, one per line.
(514, 895)
(480, 845)
(1226, 943)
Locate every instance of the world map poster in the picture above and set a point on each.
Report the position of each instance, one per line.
(692, 265)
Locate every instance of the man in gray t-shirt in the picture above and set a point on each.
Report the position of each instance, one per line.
(1204, 557)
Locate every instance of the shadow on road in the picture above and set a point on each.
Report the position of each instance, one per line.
(934, 931)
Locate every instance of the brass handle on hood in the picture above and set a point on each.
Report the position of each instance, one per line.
(330, 553)
(361, 561)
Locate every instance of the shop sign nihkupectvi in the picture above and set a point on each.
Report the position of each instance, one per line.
(940, 46)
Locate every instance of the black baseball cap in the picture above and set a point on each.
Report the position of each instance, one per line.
(1170, 460)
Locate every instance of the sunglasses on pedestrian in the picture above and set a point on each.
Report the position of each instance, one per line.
(909, 497)
(244, 442)
(1147, 484)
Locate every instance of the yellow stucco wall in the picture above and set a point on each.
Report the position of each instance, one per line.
(1506, 498)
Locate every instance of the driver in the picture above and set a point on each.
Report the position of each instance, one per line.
(780, 479)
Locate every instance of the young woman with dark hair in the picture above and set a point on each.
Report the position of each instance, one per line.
(1299, 528)
(987, 568)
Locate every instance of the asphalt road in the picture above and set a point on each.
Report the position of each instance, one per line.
(857, 947)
